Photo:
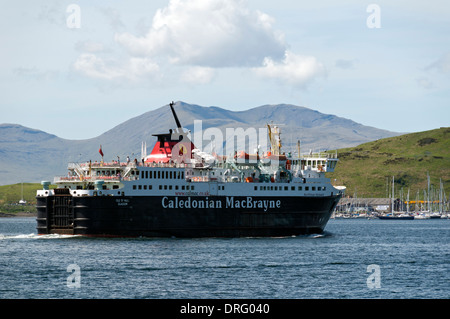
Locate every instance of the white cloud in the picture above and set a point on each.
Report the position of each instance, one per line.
(95, 67)
(199, 36)
(89, 46)
(35, 73)
(297, 70)
(425, 83)
(442, 64)
(210, 33)
(113, 18)
(345, 64)
(198, 75)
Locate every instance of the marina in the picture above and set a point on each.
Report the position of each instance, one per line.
(396, 208)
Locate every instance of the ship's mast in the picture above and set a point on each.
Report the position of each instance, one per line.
(275, 139)
(175, 115)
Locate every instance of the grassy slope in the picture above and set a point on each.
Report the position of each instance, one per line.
(11, 194)
(366, 168)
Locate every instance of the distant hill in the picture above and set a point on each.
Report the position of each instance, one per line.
(29, 155)
(367, 170)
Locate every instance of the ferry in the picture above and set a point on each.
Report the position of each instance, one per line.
(180, 191)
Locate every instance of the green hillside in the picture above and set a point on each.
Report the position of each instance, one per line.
(367, 168)
(11, 194)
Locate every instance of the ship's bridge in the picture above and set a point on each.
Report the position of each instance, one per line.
(319, 162)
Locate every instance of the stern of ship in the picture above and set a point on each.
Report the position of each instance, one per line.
(55, 213)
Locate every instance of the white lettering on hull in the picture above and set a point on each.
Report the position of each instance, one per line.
(230, 202)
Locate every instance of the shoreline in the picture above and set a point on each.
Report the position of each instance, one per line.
(21, 214)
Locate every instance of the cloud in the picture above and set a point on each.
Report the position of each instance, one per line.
(442, 64)
(89, 46)
(198, 75)
(53, 13)
(297, 70)
(345, 64)
(134, 69)
(113, 18)
(440, 67)
(208, 33)
(425, 83)
(198, 37)
(35, 73)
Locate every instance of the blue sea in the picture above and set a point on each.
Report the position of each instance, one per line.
(353, 259)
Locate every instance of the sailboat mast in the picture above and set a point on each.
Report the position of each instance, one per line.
(428, 195)
(407, 202)
(392, 204)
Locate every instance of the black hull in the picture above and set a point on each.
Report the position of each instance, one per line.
(157, 216)
(396, 218)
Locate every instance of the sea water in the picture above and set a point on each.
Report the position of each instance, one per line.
(356, 258)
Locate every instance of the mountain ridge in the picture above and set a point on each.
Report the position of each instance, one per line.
(30, 155)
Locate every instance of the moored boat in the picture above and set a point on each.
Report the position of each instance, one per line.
(395, 217)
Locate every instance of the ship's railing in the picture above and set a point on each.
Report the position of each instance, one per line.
(99, 164)
(117, 164)
(319, 155)
(74, 179)
(130, 164)
(200, 179)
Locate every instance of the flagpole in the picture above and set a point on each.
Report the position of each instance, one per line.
(101, 153)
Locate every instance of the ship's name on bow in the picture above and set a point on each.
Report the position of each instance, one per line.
(230, 202)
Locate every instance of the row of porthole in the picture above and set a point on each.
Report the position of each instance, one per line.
(286, 188)
(165, 187)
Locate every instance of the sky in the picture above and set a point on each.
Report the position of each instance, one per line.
(78, 68)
